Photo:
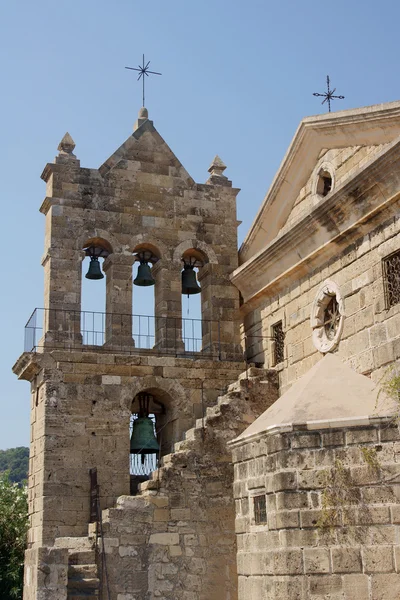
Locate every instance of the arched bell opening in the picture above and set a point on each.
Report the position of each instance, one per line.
(146, 429)
(143, 296)
(93, 291)
(192, 303)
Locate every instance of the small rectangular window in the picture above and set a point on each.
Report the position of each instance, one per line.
(391, 278)
(278, 341)
(260, 509)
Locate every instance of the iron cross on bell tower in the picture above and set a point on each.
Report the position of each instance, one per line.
(143, 71)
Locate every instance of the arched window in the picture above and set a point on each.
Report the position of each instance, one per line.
(143, 297)
(192, 330)
(324, 182)
(93, 292)
(146, 427)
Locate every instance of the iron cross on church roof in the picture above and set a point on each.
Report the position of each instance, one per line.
(143, 71)
(328, 96)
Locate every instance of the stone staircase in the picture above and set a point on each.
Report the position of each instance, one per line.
(83, 578)
(227, 416)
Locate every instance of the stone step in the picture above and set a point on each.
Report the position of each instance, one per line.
(167, 459)
(213, 412)
(82, 558)
(190, 434)
(74, 543)
(84, 584)
(229, 396)
(83, 595)
(151, 484)
(182, 446)
(82, 571)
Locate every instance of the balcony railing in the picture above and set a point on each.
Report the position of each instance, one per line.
(56, 328)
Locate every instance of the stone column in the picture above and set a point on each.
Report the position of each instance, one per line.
(220, 312)
(118, 270)
(62, 298)
(168, 306)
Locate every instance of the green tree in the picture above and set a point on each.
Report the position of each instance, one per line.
(13, 530)
(15, 460)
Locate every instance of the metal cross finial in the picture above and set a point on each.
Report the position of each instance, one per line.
(328, 96)
(143, 70)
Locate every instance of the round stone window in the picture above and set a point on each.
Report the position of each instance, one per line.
(327, 317)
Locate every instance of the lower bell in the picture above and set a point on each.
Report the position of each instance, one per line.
(143, 439)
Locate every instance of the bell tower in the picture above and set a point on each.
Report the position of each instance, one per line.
(141, 219)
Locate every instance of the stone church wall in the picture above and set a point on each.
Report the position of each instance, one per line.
(332, 506)
(370, 340)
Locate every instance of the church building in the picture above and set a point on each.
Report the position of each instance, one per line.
(250, 454)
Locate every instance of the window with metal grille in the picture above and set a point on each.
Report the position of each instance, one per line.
(391, 278)
(260, 509)
(278, 338)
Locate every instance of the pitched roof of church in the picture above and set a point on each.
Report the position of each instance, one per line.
(370, 125)
(329, 395)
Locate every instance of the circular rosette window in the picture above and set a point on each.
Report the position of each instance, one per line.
(327, 317)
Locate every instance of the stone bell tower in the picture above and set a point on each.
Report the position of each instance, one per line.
(140, 205)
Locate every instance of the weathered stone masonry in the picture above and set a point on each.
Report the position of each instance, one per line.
(292, 557)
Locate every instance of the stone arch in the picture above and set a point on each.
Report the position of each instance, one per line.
(196, 245)
(99, 235)
(92, 306)
(168, 387)
(141, 241)
(172, 395)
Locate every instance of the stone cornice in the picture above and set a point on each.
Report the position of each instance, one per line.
(371, 125)
(28, 365)
(333, 424)
(315, 238)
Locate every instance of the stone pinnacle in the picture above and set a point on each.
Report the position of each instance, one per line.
(67, 144)
(217, 167)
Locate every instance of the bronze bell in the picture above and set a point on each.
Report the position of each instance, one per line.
(143, 440)
(94, 271)
(189, 281)
(144, 276)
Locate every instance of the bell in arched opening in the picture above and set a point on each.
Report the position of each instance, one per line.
(144, 276)
(94, 271)
(143, 438)
(189, 279)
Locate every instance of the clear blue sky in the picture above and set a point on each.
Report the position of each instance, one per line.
(237, 79)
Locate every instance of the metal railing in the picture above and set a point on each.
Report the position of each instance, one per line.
(127, 333)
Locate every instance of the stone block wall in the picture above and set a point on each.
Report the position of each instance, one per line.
(81, 407)
(46, 574)
(332, 514)
(176, 539)
(370, 341)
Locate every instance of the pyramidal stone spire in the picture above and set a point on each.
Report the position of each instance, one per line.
(66, 146)
(217, 167)
(216, 170)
